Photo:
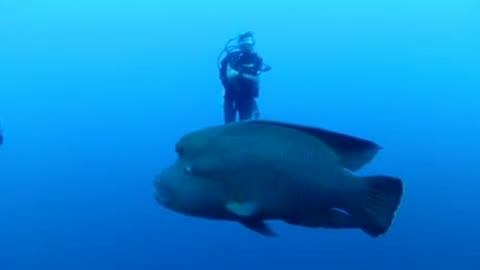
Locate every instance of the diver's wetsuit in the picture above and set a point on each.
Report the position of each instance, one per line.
(240, 93)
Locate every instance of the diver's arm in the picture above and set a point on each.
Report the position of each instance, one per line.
(223, 70)
(258, 63)
(227, 72)
(231, 72)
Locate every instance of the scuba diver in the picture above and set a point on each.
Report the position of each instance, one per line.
(1, 136)
(239, 73)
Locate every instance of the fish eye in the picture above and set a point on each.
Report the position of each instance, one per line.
(187, 169)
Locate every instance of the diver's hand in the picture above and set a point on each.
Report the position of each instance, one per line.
(250, 77)
(231, 73)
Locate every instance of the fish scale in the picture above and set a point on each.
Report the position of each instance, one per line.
(296, 172)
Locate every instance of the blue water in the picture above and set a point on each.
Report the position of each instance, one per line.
(93, 95)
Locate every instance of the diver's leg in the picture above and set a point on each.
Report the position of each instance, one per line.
(255, 94)
(229, 108)
(247, 108)
(255, 110)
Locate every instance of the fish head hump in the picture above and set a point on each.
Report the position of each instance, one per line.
(192, 185)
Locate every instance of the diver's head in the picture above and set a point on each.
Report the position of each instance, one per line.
(246, 42)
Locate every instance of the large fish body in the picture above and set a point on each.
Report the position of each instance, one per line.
(254, 171)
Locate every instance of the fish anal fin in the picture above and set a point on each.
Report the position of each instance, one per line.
(331, 218)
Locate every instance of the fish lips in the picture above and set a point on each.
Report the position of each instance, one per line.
(162, 198)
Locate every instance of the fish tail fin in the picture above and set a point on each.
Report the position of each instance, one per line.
(380, 201)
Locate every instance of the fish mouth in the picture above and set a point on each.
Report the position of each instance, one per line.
(161, 197)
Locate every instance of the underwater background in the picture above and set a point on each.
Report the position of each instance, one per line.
(94, 94)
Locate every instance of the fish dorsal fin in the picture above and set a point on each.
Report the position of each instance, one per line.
(353, 152)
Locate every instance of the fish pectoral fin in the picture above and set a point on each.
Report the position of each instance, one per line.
(246, 211)
(242, 209)
(259, 226)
